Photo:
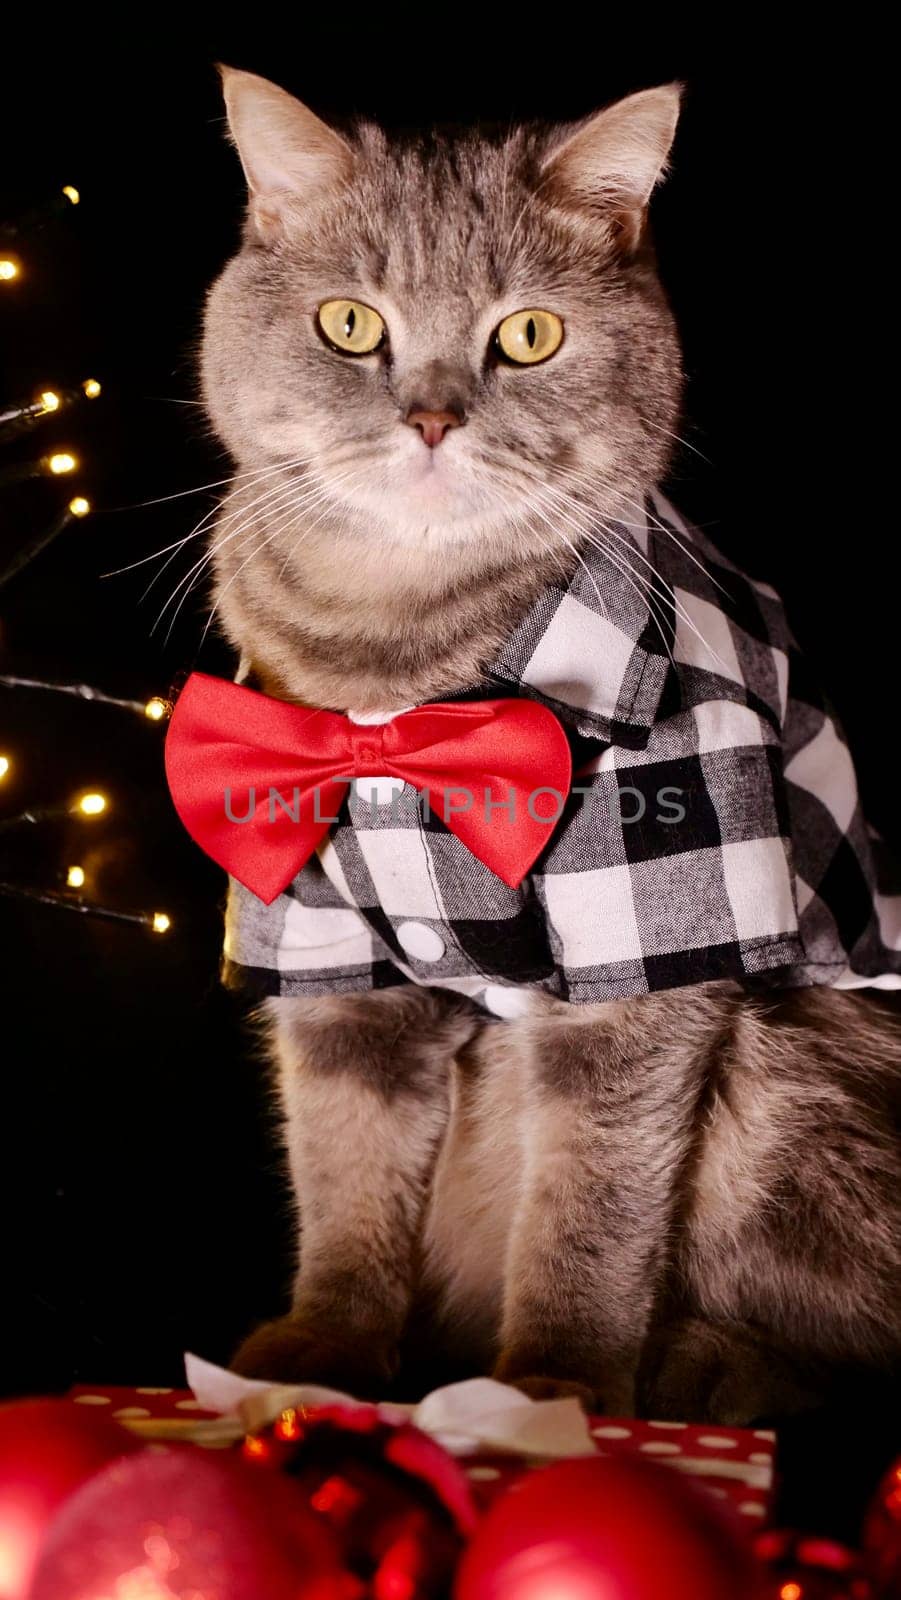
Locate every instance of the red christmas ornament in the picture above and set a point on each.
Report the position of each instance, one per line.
(598, 1529)
(48, 1448)
(882, 1535)
(810, 1567)
(398, 1505)
(182, 1524)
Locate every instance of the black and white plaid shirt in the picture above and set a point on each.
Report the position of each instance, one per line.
(714, 829)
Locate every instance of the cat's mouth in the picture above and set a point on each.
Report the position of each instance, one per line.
(434, 474)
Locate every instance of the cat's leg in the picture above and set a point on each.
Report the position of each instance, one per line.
(471, 1204)
(364, 1084)
(790, 1251)
(609, 1100)
(727, 1373)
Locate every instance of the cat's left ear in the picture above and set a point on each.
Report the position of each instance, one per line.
(290, 157)
(609, 164)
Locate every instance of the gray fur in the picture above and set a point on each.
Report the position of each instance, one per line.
(688, 1202)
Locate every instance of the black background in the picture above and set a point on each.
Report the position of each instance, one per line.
(145, 1214)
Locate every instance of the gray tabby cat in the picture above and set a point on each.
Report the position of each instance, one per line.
(686, 1203)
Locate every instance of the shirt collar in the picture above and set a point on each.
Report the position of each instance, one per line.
(597, 648)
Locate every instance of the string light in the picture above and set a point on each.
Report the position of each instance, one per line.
(75, 877)
(76, 508)
(161, 922)
(4, 766)
(62, 462)
(92, 804)
(26, 412)
(86, 691)
(67, 902)
(9, 269)
(71, 193)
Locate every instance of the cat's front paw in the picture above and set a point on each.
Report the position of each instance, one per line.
(290, 1350)
(528, 1377)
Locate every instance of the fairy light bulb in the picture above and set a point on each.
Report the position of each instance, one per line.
(9, 269)
(71, 193)
(91, 388)
(50, 400)
(61, 463)
(79, 506)
(161, 923)
(91, 805)
(75, 877)
(4, 766)
(156, 709)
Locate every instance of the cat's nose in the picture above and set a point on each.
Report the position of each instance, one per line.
(433, 425)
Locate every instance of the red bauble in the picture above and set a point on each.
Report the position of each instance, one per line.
(882, 1535)
(397, 1504)
(182, 1523)
(48, 1448)
(595, 1529)
(806, 1566)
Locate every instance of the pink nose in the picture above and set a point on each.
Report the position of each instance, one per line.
(433, 425)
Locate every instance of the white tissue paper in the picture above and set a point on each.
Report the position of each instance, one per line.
(479, 1416)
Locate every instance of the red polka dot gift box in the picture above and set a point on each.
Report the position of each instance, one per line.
(735, 1466)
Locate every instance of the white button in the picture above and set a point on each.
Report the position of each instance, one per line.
(419, 941)
(507, 1003)
(378, 791)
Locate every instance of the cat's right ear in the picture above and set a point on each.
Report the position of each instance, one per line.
(290, 157)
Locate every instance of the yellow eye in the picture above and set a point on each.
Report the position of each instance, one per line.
(529, 336)
(350, 327)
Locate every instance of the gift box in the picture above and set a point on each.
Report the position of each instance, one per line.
(496, 1433)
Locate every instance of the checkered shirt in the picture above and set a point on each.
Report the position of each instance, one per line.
(713, 831)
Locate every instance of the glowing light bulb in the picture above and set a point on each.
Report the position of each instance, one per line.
(8, 270)
(91, 805)
(4, 766)
(79, 506)
(91, 388)
(71, 193)
(49, 400)
(62, 462)
(156, 709)
(161, 923)
(75, 877)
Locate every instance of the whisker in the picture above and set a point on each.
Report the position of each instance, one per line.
(664, 596)
(284, 494)
(257, 551)
(579, 558)
(635, 580)
(677, 436)
(592, 484)
(662, 528)
(254, 472)
(263, 500)
(179, 543)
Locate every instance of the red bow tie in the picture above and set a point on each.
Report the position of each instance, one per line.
(233, 754)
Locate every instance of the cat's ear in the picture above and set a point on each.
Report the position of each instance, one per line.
(610, 163)
(289, 156)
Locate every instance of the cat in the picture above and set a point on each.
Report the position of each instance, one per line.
(685, 1203)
